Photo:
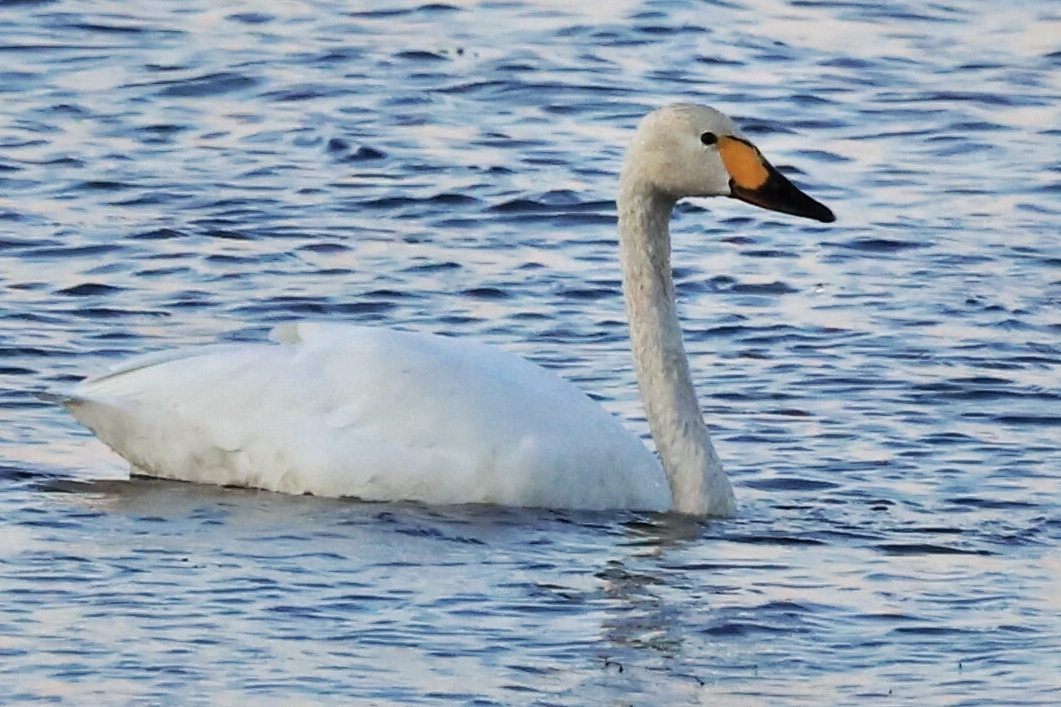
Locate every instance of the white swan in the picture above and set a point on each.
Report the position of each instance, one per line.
(343, 410)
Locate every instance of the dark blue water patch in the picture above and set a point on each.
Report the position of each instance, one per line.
(425, 9)
(22, 475)
(576, 219)
(228, 234)
(990, 503)
(344, 55)
(215, 84)
(103, 185)
(158, 234)
(985, 99)
(929, 530)
(421, 55)
(16, 371)
(389, 295)
(487, 293)
(947, 439)
(881, 245)
(251, 18)
(365, 153)
(1029, 420)
(22, 3)
(13, 243)
(929, 630)
(107, 29)
(159, 134)
(181, 270)
(589, 293)
(154, 198)
(779, 539)
(433, 267)
(347, 153)
(85, 251)
(791, 484)
(920, 549)
(190, 299)
(770, 253)
(986, 388)
(474, 88)
(952, 146)
(34, 317)
(303, 306)
(89, 289)
(325, 247)
(550, 203)
(154, 68)
(452, 199)
(771, 618)
(424, 531)
(665, 30)
(114, 313)
(403, 202)
(769, 288)
(790, 412)
(569, 198)
(961, 127)
(715, 60)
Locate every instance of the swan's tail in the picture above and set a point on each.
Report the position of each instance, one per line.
(53, 398)
(118, 424)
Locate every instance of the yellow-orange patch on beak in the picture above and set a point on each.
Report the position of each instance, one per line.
(745, 165)
(756, 181)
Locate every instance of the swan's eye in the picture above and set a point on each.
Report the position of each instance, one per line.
(708, 138)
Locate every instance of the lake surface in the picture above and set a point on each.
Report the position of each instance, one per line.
(885, 391)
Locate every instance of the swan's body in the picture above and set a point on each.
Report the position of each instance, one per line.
(327, 411)
(341, 410)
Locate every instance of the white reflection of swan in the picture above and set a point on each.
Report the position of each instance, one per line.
(344, 410)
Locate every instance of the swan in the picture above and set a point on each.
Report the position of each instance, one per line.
(386, 415)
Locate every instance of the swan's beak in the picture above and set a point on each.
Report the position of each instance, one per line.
(756, 181)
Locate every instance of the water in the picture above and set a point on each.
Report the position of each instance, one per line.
(884, 391)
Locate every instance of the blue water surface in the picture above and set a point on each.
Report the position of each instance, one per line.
(885, 391)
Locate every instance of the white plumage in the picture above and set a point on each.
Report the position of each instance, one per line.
(377, 414)
(341, 410)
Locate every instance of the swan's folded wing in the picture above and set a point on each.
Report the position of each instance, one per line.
(343, 410)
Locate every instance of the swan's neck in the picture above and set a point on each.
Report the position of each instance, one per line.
(698, 484)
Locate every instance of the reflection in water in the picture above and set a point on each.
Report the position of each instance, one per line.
(637, 616)
(651, 534)
(639, 611)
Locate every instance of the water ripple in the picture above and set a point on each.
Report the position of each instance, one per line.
(883, 391)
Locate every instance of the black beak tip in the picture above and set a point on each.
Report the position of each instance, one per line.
(823, 213)
(779, 194)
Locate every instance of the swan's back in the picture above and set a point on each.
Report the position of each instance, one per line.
(373, 413)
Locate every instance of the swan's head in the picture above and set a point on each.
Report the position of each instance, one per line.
(686, 150)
